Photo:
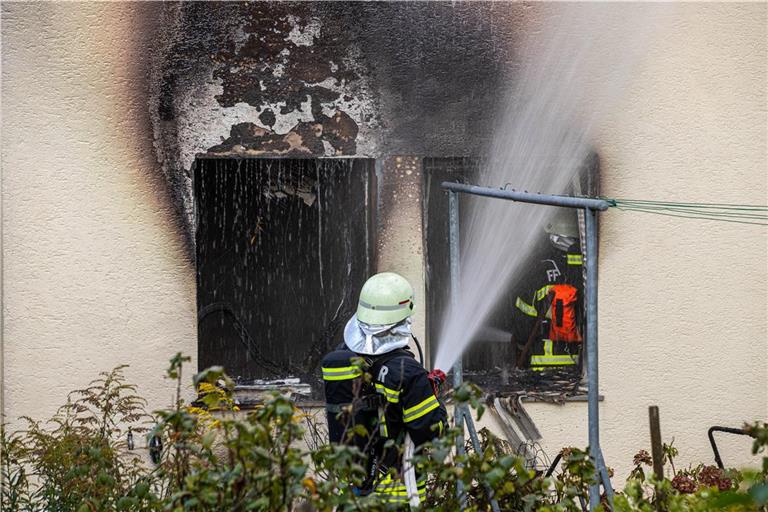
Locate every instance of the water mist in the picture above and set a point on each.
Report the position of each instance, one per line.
(573, 67)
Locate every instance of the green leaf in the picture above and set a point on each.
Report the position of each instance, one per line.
(208, 438)
(494, 476)
(461, 394)
(212, 375)
(284, 410)
(141, 489)
(125, 503)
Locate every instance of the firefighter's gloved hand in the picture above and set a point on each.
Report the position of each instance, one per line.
(437, 379)
(437, 376)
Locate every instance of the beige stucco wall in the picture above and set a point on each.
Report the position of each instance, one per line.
(682, 302)
(400, 237)
(94, 274)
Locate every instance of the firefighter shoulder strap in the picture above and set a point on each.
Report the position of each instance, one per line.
(369, 400)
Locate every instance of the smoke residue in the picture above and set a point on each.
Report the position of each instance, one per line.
(572, 69)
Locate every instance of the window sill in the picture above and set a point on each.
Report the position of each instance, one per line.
(248, 396)
(574, 398)
(250, 400)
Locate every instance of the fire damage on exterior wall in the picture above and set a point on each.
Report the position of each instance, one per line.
(283, 246)
(256, 79)
(312, 80)
(277, 67)
(301, 79)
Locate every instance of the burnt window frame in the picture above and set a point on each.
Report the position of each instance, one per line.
(559, 385)
(362, 170)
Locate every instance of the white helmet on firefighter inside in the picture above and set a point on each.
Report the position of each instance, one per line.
(382, 322)
(563, 229)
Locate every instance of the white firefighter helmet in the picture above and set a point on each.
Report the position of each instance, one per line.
(382, 322)
(563, 228)
(386, 298)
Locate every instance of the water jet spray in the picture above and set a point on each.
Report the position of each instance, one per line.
(590, 206)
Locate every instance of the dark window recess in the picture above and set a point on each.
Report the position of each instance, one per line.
(435, 228)
(493, 360)
(283, 247)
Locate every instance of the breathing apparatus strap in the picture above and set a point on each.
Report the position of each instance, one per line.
(418, 347)
(375, 452)
(370, 401)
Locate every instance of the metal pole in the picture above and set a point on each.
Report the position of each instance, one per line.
(727, 430)
(656, 448)
(592, 377)
(527, 197)
(606, 480)
(453, 257)
(467, 415)
(591, 206)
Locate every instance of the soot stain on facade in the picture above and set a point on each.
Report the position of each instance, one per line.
(255, 79)
(289, 58)
(308, 80)
(301, 79)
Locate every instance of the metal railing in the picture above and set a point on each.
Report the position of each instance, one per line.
(590, 206)
(727, 430)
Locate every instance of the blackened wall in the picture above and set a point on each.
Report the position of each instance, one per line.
(325, 78)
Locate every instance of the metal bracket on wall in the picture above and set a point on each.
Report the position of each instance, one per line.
(590, 206)
(522, 418)
(518, 427)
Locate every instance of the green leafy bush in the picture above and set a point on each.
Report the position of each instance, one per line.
(78, 461)
(217, 458)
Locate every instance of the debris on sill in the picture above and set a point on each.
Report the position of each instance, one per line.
(554, 386)
(253, 393)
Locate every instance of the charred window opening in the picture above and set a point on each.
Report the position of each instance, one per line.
(514, 351)
(282, 248)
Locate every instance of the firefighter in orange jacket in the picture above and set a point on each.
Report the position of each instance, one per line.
(553, 311)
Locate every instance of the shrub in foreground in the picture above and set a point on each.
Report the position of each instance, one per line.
(216, 458)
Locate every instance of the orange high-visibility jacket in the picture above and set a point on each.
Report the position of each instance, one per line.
(563, 324)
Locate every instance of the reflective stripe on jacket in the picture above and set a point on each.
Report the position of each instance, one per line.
(392, 490)
(401, 382)
(399, 398)
(561, 303)
(547, 358)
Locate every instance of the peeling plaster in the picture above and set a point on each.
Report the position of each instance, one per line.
(363, 73)
(267, 86)
(307, 36)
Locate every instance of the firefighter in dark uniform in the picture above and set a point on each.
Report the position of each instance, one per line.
(398, 403)
(549, 316)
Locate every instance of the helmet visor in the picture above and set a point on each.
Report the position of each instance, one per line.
(373, 340)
